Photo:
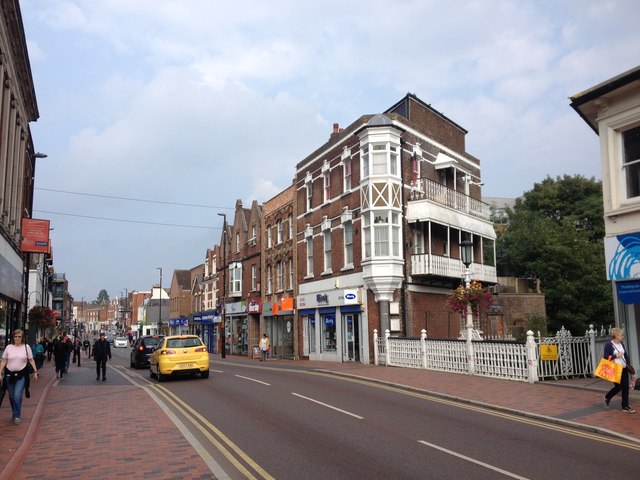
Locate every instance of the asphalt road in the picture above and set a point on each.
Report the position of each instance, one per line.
(261, 422)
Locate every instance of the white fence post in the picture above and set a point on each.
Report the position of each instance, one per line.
(375, 346)
(592, 344)
(387, 334)
(532, 358)
(423, 347)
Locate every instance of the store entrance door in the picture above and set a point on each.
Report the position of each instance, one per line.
(351, 336)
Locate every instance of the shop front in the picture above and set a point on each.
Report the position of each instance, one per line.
(279, 326)
(205, 325)
(11, 283)
(623, 270)
(179, 326)
(334, 326)
(237, 328)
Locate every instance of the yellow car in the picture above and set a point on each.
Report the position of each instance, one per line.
(179, 355)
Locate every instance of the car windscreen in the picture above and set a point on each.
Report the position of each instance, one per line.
(151, 342)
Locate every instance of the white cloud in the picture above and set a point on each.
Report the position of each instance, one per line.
(206, 102)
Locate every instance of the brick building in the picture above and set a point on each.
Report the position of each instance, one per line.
(278, 255)
(241, 269)
(382, 208)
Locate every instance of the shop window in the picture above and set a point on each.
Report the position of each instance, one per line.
(328, 332)
(311, 333)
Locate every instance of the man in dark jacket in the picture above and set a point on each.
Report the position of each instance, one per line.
(101, 352)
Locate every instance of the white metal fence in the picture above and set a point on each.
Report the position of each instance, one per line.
(576, 356)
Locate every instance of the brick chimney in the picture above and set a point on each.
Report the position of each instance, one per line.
(336, 130)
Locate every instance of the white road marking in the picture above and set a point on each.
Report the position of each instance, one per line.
(254, 380)
(472, 460)
(328, 406)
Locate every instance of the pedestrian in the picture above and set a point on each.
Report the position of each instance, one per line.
(264, 347)
(60, 355)
(49, 349)
(69, 347)
(615, 349)
(101, 352)
(39, 353)
(86, 345)
(77, 347)
(130, 339)
(15, 373)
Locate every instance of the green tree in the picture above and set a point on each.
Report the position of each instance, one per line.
(555, 233)
(103, 297)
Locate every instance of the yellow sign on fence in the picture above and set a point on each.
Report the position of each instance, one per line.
(548, 352)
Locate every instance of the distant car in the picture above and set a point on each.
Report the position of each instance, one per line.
(179, 355)
(141, 352)
(120, 342)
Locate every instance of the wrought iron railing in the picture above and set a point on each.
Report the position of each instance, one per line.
(436, 192)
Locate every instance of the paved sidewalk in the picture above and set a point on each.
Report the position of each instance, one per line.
(80, 428)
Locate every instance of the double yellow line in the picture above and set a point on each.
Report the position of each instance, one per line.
(234, 454)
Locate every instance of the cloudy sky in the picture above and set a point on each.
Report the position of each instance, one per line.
(158, 114)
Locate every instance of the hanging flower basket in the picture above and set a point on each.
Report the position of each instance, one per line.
(42, 316)
(475, 296)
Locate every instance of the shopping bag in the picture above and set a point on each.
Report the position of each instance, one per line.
(609, 370)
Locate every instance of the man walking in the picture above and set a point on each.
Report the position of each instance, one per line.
(101, 352)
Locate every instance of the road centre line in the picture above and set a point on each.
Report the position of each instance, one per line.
(328, 406)
(516, 417)
(254, 380)
(200, 424)
(473, 460)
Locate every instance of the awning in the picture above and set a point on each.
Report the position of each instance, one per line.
(444, 161)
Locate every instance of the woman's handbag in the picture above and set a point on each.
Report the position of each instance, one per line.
(609, 370)
(29, 367)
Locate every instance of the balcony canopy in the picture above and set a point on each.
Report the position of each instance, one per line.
(424, 211)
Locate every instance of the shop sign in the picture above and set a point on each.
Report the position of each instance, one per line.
(628, 292)
(331, 298)
(255, 306)
(35, 236)
(622, 254)
(236, 307)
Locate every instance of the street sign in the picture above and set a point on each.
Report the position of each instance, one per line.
(549, 352)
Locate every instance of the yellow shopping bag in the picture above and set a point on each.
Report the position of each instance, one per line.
(609, 370)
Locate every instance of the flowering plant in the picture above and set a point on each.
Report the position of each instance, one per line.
(42, 316)
(475, 295)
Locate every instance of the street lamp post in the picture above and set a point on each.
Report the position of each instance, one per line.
(466, 252)
(160, 304)
(224, 283)
(125, 311)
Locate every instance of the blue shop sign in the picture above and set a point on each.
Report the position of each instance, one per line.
(628, 292)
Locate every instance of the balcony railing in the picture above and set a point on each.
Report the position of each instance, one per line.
(437, 265)
(436, 192)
